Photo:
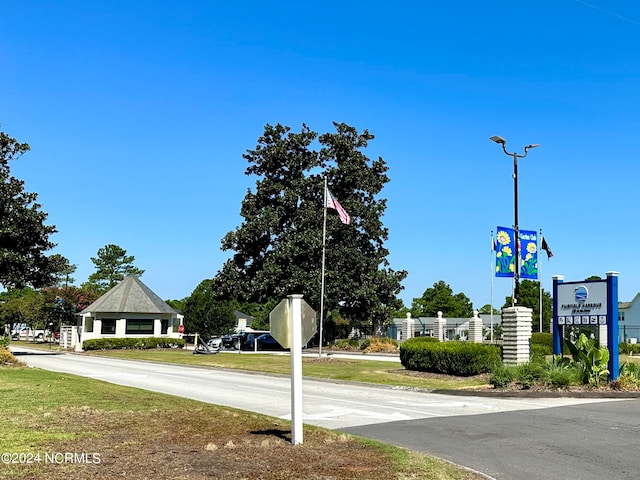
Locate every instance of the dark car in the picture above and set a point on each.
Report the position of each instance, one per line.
(230, 340)
(267, 342)
(243, 340)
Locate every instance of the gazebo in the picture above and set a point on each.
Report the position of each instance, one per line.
(129, 310)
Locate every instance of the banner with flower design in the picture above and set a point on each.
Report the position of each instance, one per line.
(505, 252)
(528, 254)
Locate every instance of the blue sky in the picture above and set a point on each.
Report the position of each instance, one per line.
(138, 115)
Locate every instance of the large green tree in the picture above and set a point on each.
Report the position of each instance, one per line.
(24, 237)
(530, 297)
(65, 269)
(278, 247)
(440, 298)
(112, 265)
(23, 305)
(206, 315)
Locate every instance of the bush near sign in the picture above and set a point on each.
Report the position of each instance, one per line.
(280, 323)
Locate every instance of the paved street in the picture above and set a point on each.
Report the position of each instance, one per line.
(590, 441)
(505, 438)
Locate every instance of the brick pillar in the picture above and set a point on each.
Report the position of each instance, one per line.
(516, 327)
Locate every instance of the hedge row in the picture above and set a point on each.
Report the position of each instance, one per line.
(450, 358)
(630, 348)
(132, 343)
(542, 338)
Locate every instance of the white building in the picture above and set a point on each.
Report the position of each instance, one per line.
(128, 310)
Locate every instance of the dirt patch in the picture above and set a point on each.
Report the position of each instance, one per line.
(484, 378)
(211, 442)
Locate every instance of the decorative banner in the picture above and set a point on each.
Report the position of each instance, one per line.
(528, 254)
(505, 248)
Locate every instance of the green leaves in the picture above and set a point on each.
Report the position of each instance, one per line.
(440, 298)
(24, 237)
(205, 314)
(591, 356)
(278, 247)
(112, 265)
(530, 297)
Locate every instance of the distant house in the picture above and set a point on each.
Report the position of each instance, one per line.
(243, 322)
(128, 310)
(454, 328)
(629, 320)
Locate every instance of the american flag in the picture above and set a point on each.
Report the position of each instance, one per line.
(332, 202)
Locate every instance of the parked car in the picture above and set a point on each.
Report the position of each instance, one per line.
(267, 342)
(243, 340)
(26, 333)
(215, 342)
(229, 340)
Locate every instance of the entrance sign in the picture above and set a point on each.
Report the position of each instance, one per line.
(588, 303)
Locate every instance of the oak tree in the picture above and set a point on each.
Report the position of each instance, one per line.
(440, 298)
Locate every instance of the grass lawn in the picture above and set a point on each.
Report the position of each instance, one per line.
(73, 427)
(355, 370)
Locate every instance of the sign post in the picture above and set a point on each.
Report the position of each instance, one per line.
(292, 324)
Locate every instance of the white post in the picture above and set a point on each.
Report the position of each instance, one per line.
(440, 327)
(407, 327)
(475, 328)
(295, 310)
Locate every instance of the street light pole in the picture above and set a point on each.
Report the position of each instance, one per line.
(516, 228)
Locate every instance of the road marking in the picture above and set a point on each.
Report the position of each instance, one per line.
(336, 413)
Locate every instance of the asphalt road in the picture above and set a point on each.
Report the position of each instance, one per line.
(503, 438)
(590, 441)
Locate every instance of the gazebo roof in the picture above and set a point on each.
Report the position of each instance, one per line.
(129, 296)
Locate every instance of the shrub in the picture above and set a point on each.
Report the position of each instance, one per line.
(539, 352)
(501, 376)
(559, 374)
(629, 348)
(590, 357)
(528, 374)
(379, 345)
(132, 343)
(346, 344)
(542, 342)
(451, 358)
(629, 377)
(7, 358)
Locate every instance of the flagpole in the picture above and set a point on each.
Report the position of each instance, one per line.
(324, 244)
(492, 270)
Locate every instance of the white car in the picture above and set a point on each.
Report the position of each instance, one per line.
(26, 333)
(215, 342)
